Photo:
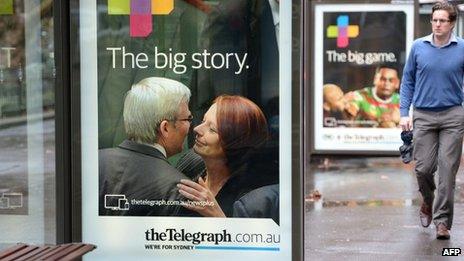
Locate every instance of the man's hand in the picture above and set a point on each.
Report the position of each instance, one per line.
(351, 109)
(406, 123)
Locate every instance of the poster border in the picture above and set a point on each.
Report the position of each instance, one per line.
(316, 62)
(89, 119)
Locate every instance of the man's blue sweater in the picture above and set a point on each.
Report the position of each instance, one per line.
(433, 76)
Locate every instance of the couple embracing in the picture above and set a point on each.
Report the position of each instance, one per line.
(157, 120)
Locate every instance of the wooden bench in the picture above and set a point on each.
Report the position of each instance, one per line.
(23, 252)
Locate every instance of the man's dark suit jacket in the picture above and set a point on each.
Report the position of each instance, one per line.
(259, 203)
(139, 172)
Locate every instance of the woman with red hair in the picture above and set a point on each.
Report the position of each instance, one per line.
(232, 129)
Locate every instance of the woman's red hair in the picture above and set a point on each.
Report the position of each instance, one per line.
(241, 124)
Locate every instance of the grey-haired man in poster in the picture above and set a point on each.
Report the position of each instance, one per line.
(135, 178)
(432, 82)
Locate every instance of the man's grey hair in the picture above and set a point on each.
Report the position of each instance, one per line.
(148, 103)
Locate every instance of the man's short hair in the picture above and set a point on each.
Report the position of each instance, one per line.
(385, 66)
(451, 9)
(148, 103)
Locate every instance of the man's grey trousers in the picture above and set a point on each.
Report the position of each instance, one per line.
(438, 143)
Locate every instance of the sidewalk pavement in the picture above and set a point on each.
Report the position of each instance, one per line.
(369, 210)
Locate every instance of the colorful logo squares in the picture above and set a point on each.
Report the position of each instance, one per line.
(342, 31)
(140, 12)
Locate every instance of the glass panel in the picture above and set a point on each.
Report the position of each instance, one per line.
(27, 125)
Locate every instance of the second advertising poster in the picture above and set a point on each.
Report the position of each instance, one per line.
(359, 58)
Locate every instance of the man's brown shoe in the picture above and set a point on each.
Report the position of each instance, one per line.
(425, 215)
(442, 232)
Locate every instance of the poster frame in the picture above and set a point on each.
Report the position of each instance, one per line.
(292, 144)
(311, 66)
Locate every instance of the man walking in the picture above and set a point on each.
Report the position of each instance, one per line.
(135, 178)
(432, 82)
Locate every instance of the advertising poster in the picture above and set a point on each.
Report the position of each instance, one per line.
(359, 58)
(182, 134)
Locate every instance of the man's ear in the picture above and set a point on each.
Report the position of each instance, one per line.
(164, 129)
